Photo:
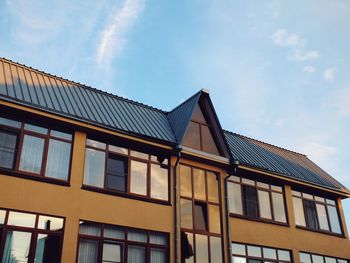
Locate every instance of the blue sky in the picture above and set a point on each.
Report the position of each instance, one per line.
(277, 71)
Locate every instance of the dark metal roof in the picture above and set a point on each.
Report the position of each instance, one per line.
(278, 160)
(50, 93)
(31, 87)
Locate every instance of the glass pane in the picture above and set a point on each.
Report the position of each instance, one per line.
(48, 249)
(235, 178)
(331, 260)
(254, 251)
(248, 181)
(199, 184)
(137, 235)
(319, 199)
(331, 202)
(11, 123)
(214, 219)
(276, 188)
(213, 191)
(192, 136)
(264, 204)
(50, 223)
(284, 255)
(269, 253)
(58, 160)
(90, 229)
(8, 143)
(158, 255)
(116, 173)
(16, 247)
(239, 260)
(215, 250)
(208, 142)
(333, 219)
(342, 261)
(138, 178)
(159, 182)
(32, 154)
(139, 155)
(202, 249)
(88, 251)
(94, 170)
(159, 159)
(187, 247)
(96, 144)
(317, 259)
(200, 216)
(158, 239)
(322, 216)
(2, 216)
(136, 254)
(307, 196)
(186, 214)
(117, 149)
(298, 212)
(296, 193)
(113, 232)
(21, 219)
(34, 128)
(262, 185)
(235, 198)
(185, 181)
(278, 207)
(305, 258)
(250, 201)
(61, 135)
(238, 249)
(112, 253)
(310, 214)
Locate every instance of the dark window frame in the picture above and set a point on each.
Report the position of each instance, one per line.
(193, 200)
(21, 132)
(269, 191)
(124, 242)
(321, 255)
(317, 217)
(34, 231)
(129, 157)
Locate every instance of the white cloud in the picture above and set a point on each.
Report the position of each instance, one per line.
(309, 69)
(328, 74)
(300, 55)
(318, 152)
(283, 38)
(113, 37)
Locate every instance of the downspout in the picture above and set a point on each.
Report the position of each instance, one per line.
(227, 208)
(176, 188)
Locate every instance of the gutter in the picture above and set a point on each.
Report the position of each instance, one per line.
(176, 204)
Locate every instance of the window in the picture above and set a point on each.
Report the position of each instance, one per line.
(313, 258)
(316, 213)
(115, 244)
(256, 200)
(30, 237)
(244, 253)
(33, 150)
(121, 170)
(200, 216)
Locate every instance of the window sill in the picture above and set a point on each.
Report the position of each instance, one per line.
(125, 195)
(260, 220)
(34, 177)
(321, 231)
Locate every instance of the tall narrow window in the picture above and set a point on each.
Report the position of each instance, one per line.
(250, 201)
(116, 173)
(8, 144)
(310, 214)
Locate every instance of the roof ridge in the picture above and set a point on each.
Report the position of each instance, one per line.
(182, 103)
(85, 86)
(243, 136)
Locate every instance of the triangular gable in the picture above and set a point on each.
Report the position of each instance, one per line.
(196, 125)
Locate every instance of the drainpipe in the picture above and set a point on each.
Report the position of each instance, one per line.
(176, 204)
(227, 206)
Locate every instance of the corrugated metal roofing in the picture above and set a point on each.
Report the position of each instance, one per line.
(275, 159)
(38, 89)
(24, 85)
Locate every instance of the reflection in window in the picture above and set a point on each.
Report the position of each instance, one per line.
(32, 154)
(88, 251)
(17, 247)
(313, 258)
(186, 214)
(202, 249)
(58, 160)
(138, 178)
(116, 173)
(8, 143)
(94, 168)
(185, 181)
(159, 182)
(200, 216)
(47, 249)
(112, 253)
(199, 184)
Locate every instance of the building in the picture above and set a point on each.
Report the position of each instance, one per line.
(86, 176)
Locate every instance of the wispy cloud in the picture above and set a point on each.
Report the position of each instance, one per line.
(328, 74)
(113, 37)
(309, 69)
(283, 38)
(299, 55)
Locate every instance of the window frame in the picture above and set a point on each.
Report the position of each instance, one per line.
(124, 242)
(258, 188)
(21, 133)
(128, 158)
(314, 197)
(34, 231)
(321, 255)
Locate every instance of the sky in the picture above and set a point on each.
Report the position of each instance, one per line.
(277, 71)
